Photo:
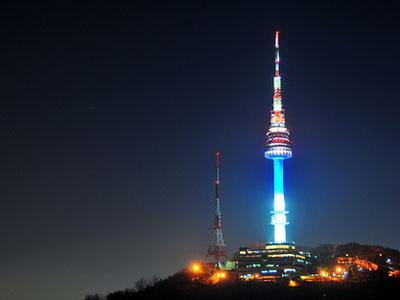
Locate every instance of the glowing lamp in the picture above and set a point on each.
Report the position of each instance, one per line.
(196, 268)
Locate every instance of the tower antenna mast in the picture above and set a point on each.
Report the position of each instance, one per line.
(217, 250)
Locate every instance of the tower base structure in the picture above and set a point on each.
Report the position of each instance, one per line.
(272, 262)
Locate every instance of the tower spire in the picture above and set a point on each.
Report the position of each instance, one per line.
(276, 53)
(217, 249)
(278, 115)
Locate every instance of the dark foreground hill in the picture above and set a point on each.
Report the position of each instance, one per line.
(376, 285)
(180, 286)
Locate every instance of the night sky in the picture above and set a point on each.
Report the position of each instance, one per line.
(110, 115)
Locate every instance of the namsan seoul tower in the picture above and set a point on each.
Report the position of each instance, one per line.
(278, 148)
(278, 258)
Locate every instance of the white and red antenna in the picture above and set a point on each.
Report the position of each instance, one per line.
(277, 54)
(217, 250)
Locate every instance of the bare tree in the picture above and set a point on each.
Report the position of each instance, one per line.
(154, 280)
(140, 285)
(93, 297)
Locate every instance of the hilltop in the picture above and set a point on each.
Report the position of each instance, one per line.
(376, 284)
(180, 286)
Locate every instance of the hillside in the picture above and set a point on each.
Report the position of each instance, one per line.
(373, 285)
(179, 286)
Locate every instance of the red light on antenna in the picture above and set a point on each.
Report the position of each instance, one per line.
(277, 39)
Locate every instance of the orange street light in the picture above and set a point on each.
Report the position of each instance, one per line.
(196, 268)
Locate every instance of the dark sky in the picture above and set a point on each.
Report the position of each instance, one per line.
(110, 115)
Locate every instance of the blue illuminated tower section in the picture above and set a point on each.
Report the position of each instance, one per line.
(278, 148)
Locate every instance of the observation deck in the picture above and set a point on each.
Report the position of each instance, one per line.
(278, 144)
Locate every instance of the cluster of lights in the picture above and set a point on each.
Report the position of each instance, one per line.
(338, 273)
(278, 152)
(362, 264)
(206, 273)
(278, 119)
(293, 283)
(267, 275)
(278, 129)
(196, 268)
(280, 140)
